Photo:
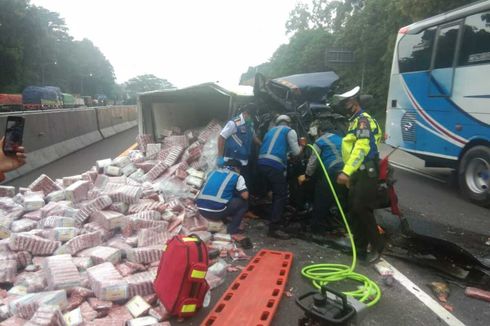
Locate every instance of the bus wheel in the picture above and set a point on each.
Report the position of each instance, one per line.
(474, 175)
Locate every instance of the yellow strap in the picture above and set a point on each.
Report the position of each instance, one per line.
(188, 308)
(198, 274)
(189, 239)
(164, 247)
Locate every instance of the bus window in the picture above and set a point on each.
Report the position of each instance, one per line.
(446, 47)
(475, 47)
(414, 51)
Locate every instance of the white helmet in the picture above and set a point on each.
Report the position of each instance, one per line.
(347, 95)
(282, 118)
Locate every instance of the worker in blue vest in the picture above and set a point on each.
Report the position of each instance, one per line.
(278, 142)
(236, 139)
(329, 147)
(224, 197)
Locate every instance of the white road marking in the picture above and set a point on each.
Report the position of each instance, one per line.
(416, 171)
(426, 299)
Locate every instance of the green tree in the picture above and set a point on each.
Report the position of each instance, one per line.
(367, 27)
(36, 49)
(305, 52)
(145, 83)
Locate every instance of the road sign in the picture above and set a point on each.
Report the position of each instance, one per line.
(339, 56)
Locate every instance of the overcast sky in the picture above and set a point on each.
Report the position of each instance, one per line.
(184, 41)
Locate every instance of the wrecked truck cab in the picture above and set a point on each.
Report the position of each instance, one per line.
(189, 107)
(304, 97)
(290, 92)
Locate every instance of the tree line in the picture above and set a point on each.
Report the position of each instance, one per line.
(367, 27)
(37, 49)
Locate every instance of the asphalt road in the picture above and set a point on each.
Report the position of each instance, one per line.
(82, 160)
(431, 206)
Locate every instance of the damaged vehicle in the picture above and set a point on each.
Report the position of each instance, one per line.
(304, 97)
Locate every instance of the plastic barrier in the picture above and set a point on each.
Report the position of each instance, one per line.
(52, 134)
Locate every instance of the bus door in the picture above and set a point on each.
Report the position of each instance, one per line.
(444, 61)
(440, 89)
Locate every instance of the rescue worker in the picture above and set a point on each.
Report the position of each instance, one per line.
(328, 145)
(225, 196)
(272, 163)
(360, 174)
(236, 139)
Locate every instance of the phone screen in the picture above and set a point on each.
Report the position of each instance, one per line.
(13, 135)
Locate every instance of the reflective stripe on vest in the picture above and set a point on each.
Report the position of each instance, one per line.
(218, 198)
(338, 156)
(268, 154)
(239, 144)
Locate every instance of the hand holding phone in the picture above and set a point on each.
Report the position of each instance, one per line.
(12, 155)
(14, 133)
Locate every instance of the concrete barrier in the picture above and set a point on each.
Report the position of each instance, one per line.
(113, 120)
(52, 134)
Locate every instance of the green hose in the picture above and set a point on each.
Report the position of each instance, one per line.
(322, 274)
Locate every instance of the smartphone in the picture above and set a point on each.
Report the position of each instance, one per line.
(14, 133)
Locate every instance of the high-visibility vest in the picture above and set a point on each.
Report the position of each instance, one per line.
(218, 189)
(361, 142)
(275, 146)
(331, 153)
(239, 145)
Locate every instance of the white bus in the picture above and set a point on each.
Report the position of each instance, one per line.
(438, 104)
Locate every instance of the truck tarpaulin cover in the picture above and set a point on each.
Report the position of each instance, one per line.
(311, 87)
(10, 99)
(35, 94)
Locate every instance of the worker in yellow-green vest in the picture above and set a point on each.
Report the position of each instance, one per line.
(360, 174)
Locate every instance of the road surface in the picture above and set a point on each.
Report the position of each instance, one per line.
(82, 160)
(431, 203)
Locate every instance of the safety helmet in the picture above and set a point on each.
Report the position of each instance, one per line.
(341, 98)
(282, 118)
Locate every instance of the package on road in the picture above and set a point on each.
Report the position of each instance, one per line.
(103, 232)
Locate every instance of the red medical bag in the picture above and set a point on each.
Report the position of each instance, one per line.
(180, 283)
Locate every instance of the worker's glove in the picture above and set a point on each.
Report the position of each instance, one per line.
(220, 161)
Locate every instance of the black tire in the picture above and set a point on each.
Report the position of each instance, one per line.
(474, 175)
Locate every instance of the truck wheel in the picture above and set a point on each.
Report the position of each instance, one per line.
(474, 175)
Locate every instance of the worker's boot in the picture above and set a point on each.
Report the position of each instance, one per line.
(372, 257)
(368, 258)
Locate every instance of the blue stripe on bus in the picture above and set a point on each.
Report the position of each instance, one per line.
(440, 106)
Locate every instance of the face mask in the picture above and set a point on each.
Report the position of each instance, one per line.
(349, 110)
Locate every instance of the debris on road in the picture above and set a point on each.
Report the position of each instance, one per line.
(477, 293)
(383, 268)
(89, 245)
(440, 290)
